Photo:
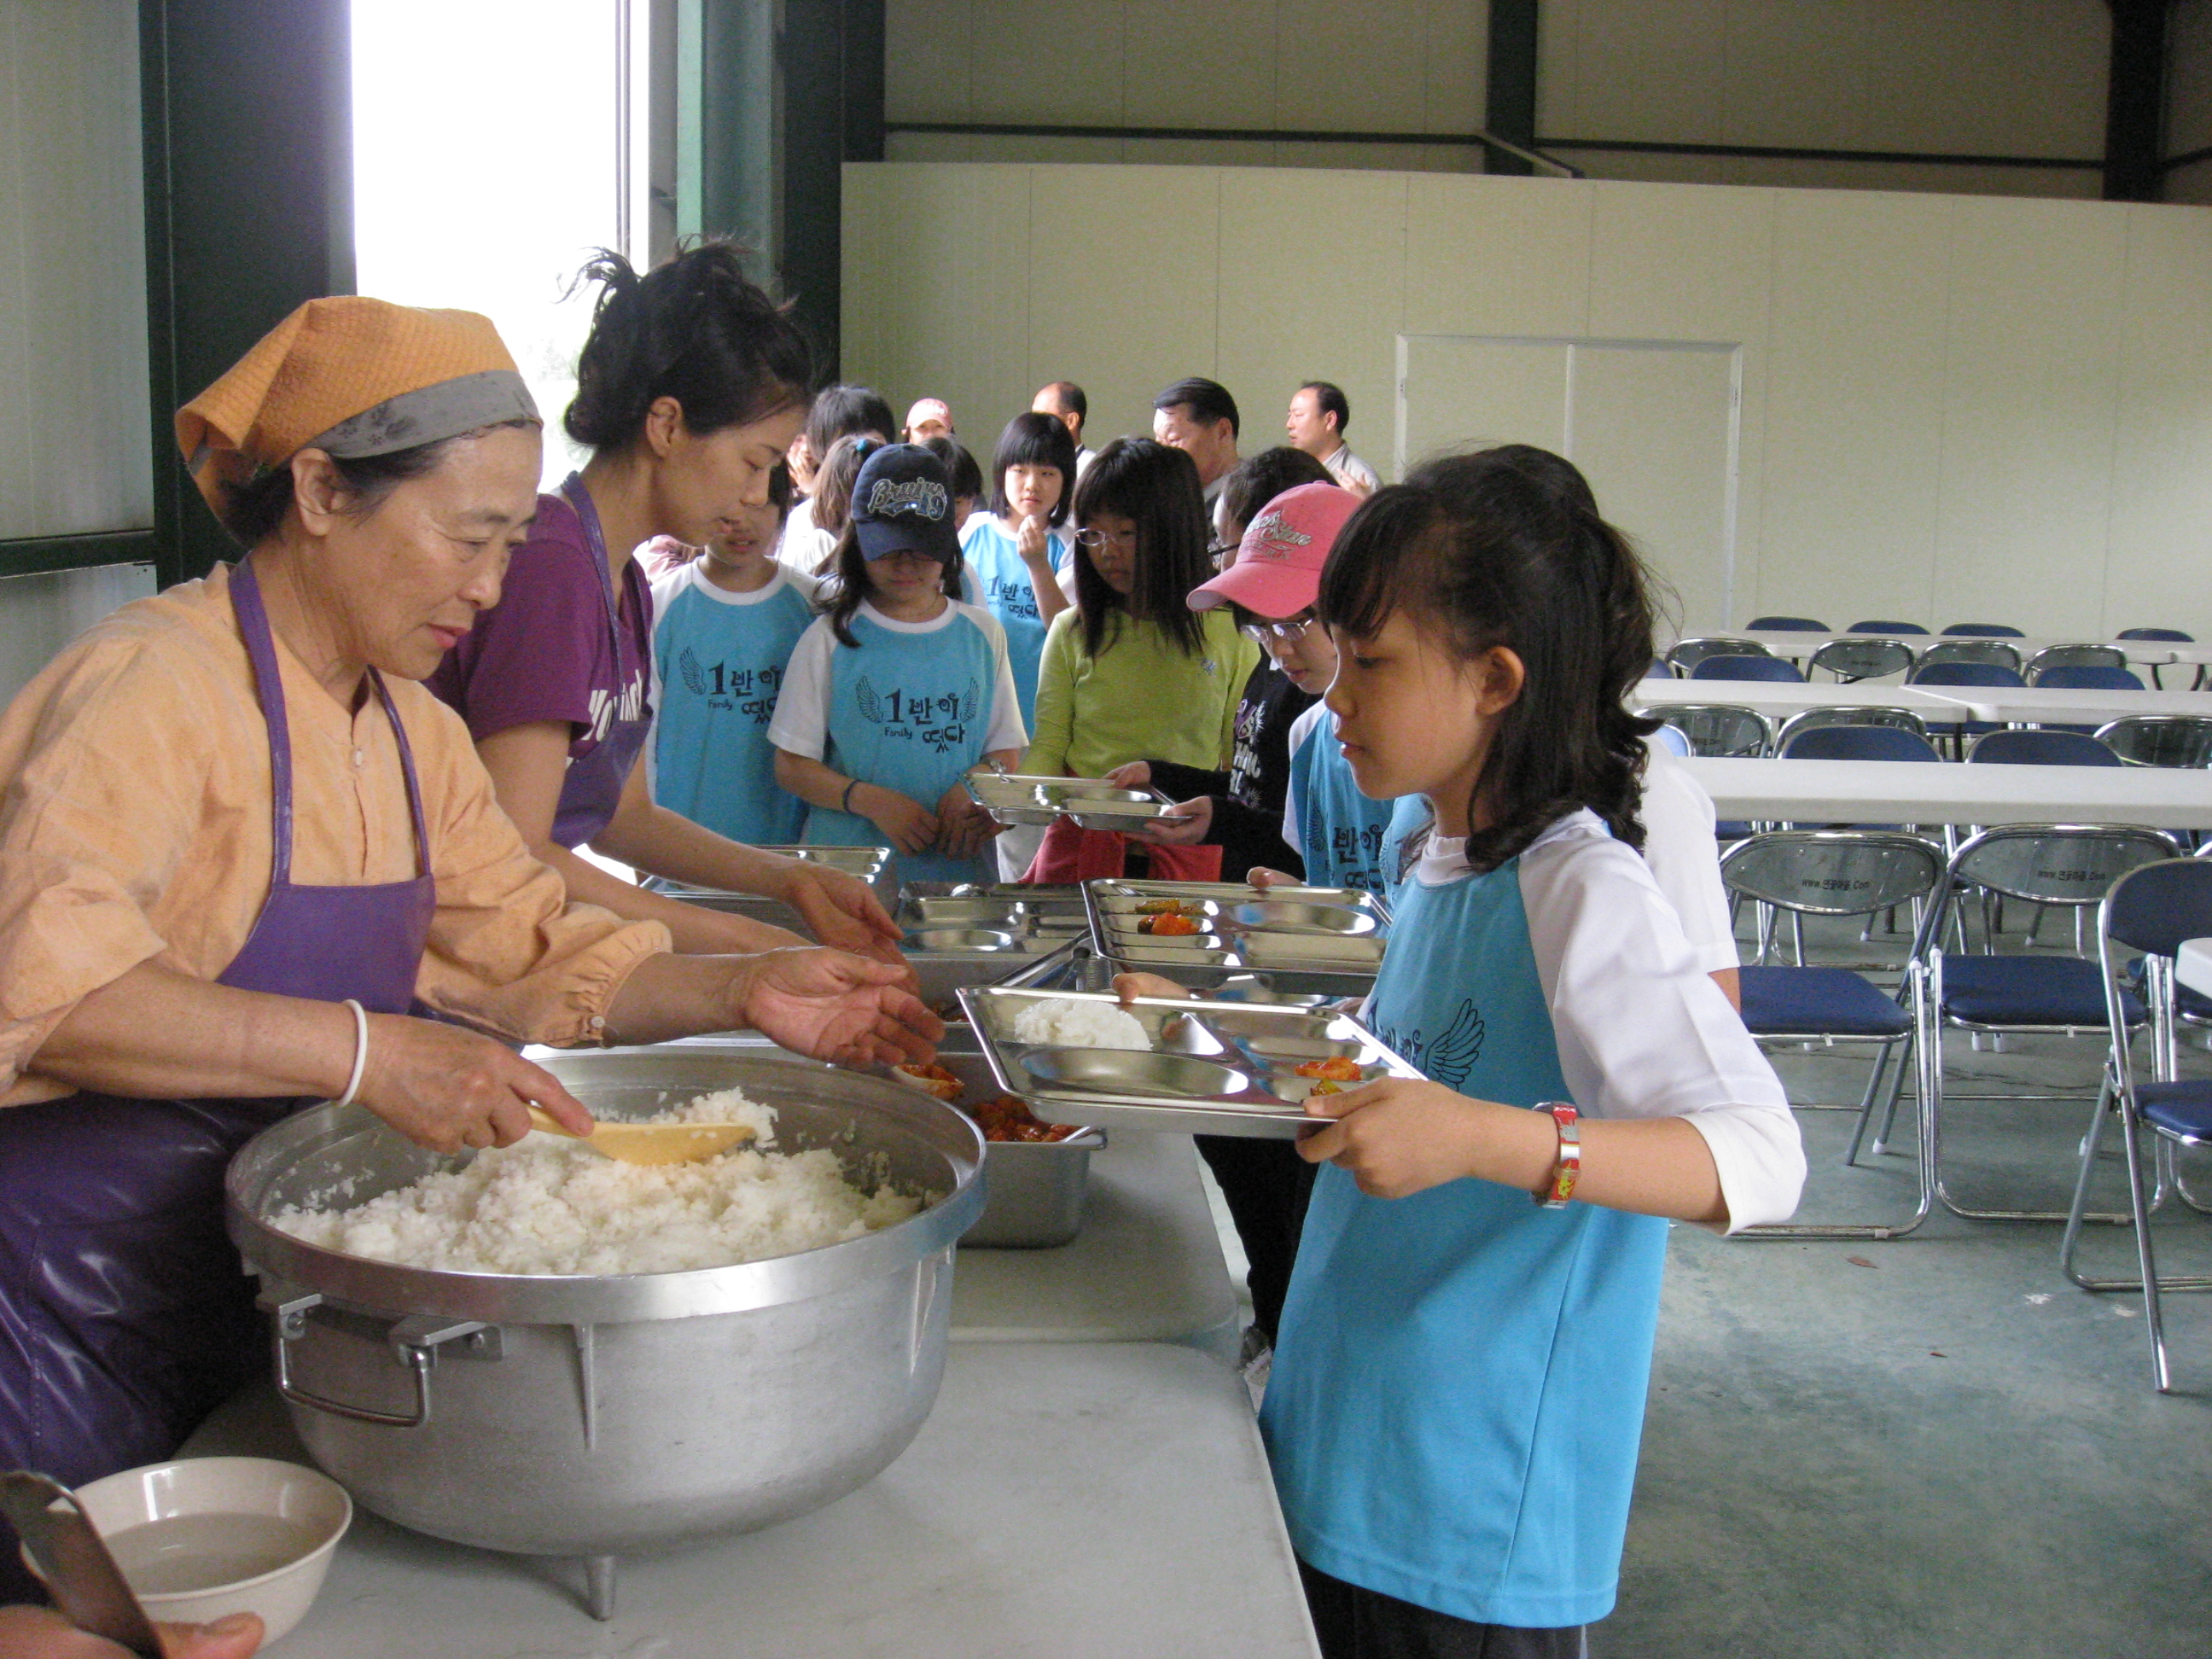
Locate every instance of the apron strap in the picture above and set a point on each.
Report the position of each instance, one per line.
(269, 690)
(407, 771)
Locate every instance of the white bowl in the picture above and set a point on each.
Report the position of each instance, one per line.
(205, 1537)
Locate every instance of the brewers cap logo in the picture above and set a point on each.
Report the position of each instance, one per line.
(920, 498)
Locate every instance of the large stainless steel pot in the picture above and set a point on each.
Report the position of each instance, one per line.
(596, 1416)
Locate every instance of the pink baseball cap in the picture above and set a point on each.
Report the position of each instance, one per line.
(1278, 568)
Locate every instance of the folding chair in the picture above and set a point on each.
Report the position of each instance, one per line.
(2047, 864)
(1836, 873)
(2182, 740)
(1851, 660)
(1725, 729)
(2076, 656)
(1677, 743)
(2151, 910)
(1885, 628)
(1688, 653)
(1984, 650)
(1982, 630)
(1660, 669)
(2038, 747)
(1808, 720)
(1962, 673)
(2084, 677)
(1784, 625)
(2168, 635)
(1746, 668)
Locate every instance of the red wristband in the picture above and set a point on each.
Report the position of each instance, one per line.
(1568, 1166)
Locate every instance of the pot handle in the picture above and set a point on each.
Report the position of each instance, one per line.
(415, 1342)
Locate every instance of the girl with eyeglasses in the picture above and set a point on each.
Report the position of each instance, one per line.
(1131, 670)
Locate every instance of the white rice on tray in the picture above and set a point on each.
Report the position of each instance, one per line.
(1064, 1023)
(551, 1205)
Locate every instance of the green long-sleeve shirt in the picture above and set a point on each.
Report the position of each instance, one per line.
(1141, 696)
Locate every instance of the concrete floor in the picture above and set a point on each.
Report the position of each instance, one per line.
(1935, 1447)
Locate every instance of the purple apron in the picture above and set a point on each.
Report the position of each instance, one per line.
(125, 1315)
(593, 787)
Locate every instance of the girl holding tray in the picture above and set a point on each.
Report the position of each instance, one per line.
(1459, 1378)
(898, 689)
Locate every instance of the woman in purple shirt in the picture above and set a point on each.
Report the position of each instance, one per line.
(689, 389)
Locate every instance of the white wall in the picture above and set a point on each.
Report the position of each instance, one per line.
(1951, 407)
(2006, 77)
(75, 439)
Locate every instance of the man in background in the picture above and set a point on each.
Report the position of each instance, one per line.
(1199, 417)
(931, 417)
(1064, 401)
(1318, 415)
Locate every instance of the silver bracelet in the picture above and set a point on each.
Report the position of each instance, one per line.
(360, 1053)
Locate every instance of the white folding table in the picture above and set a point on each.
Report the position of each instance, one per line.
(2193, 965)
(2040, 705)
(1902, 792)
(2151, 653)
(1779, 699)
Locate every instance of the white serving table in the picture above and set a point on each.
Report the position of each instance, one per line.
(2152, 654)
(1089, 1501)
(2037, 705)
(2193, 965)
(1147, 1268)
(1903, 791)
(1780, 699)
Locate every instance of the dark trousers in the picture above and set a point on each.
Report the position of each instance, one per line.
(1266, 1184)
(1364, 1623)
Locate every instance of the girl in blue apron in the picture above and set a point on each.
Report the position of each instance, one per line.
(1459, 1377)
(895, 693)
(554, 680)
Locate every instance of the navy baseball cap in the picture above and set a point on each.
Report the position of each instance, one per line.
(903, 503)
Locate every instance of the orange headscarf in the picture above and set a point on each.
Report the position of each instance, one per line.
(329, 360)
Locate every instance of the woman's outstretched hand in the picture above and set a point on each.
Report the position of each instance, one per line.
(834, 1006)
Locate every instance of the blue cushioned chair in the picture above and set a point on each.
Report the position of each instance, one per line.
(1885, 628)
(2075, 656)
(2027, 747)
(2055, 865)
(1686, 654)
(2087, 677)
(1984, 631)
(1872, 742)
(1724, 729)
(1675, 740)
(1746, 668)
(1660, 669)
(2151, 910)
(1832, 873)
(2168, 635)
(1784, 625)
(1962, 673)
(2180, 740)
(1808, 719)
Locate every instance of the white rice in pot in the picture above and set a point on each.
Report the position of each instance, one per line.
(1064, 1023)
(551, 1205)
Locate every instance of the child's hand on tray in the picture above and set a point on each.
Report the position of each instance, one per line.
(1130, 987)
(1404, 1135)
(1196, 817)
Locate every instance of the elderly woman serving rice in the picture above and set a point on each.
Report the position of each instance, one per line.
(246, 862)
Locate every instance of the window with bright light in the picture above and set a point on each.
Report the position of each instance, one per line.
(488, 166)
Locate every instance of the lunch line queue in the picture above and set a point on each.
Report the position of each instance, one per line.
(378, 464)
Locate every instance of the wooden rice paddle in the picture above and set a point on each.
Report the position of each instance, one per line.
(652, 1143)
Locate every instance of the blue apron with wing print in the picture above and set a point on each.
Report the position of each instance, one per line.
(1459, 1379)
(910, 712)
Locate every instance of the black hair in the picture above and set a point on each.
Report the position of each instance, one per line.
(1329, 399)
(1258, 479)
(1483, 555)
(1071, 398)
(254, 511)
(697, 329)
(1556, 475)
(833, 482)
(848, 567)
(1156, 486)
(1209, 401)
(1034, 440)
(779, 489)
(846, 412)
(967, 474)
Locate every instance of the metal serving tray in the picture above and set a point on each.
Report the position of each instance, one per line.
(1317, 939)
(870, 864)
(1033, 1190)
(1225, 1068)
(1028, 798)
